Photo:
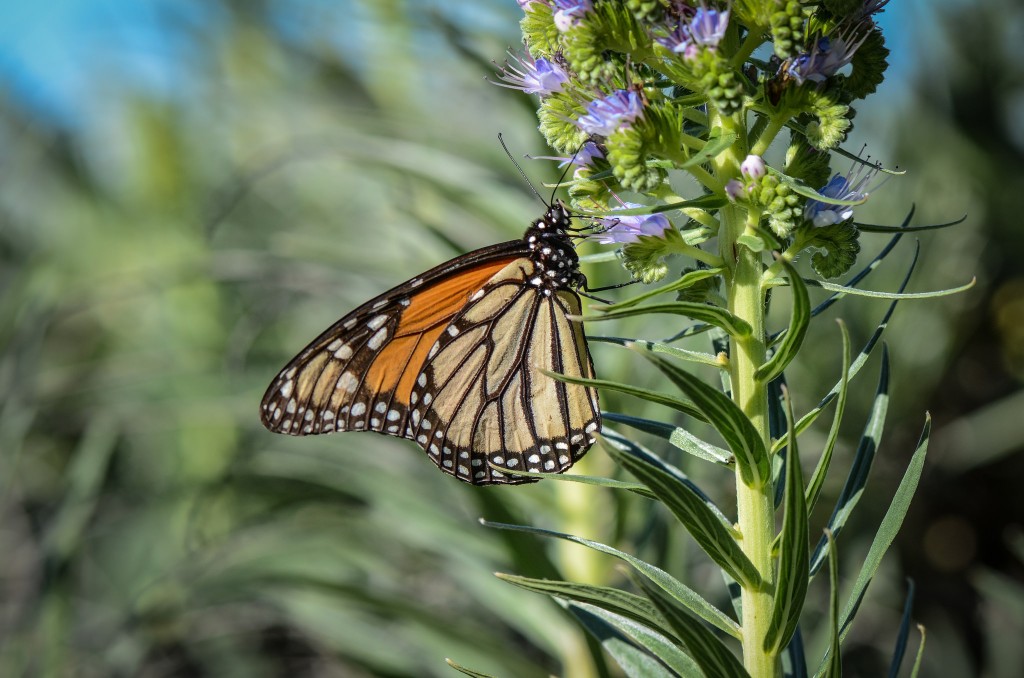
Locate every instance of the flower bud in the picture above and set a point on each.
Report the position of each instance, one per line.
(753, 167)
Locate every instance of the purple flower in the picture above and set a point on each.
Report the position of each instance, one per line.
(585, 157)
(705, 29)
(627, 229)
(569, 12)
(708, 26)
(524, 4)
(854, 186)
(534, 76)
(825, 59)
(753, 167)
(735, 190)
(604, 116)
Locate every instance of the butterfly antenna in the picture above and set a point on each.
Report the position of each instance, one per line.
(521, 172)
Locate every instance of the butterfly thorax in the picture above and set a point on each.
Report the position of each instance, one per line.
(557, 267)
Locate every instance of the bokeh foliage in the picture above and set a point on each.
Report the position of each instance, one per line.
(163, 253)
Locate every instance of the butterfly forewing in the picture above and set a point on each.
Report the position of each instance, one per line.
(358, 375)
(483, 396)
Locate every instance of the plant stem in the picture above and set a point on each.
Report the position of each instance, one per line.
(755, 505)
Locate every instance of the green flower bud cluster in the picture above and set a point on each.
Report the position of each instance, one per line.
(781, 204)
(787, 27)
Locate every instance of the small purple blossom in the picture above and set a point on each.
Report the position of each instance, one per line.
(524, 4)
(534, 76)
(627, 229)
(825, 59)
(604, 116)
(569, 12)
(854, 186)
(735, 190)
(705, 29)
(708, 26)
(753, 167)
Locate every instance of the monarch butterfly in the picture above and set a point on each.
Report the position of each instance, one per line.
(455, 358)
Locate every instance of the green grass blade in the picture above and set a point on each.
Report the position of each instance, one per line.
(635, 391)
(726, 417)
(821, 469)
(712, 315)
(714, 658)
(703, 524)
(639, 651)
(793, 338)
(857, 478)
(920, 652)
(791, 584)
(676, 436)
(685, 595)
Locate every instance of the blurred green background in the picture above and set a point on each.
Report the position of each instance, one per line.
(190, 190)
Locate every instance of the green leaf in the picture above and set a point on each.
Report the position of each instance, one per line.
(803, 189)
(691, 508)
(859, 362)
(717, 143)
(685, 595)
(688, 279)
(705, 648)
(834, 653)
(887, 531)
(793, 339)
(904, 633)
(821, 469)
(889, 527)
(857, 478)
(464, 670)
(658, 347)
(634, 647)
(642, 393)
(620, 602)
(713, 315)
(727, 418)
(791, 583)
(867, 270)
(676, 436)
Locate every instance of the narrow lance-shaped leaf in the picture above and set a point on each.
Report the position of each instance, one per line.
(466, 671)
(705, 648)
(889, 527)
(794, 663)
(904, 633)
(791, 584)
(639, 651)
(858, 292)
(644, 394)
(858, 476)
(887, 531)
(821, 469)
(800, 319)
(713, 315)
(661, 347)
(677, 436)
(614, 600)
(704, 526)
(685, 595)
(834, 655)
(727, 418)
(688, 279)
(920, 652)
(864, 272)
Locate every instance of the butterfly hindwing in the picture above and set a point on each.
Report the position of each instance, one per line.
(482, 396)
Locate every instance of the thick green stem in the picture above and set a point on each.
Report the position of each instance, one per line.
(755, 505)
